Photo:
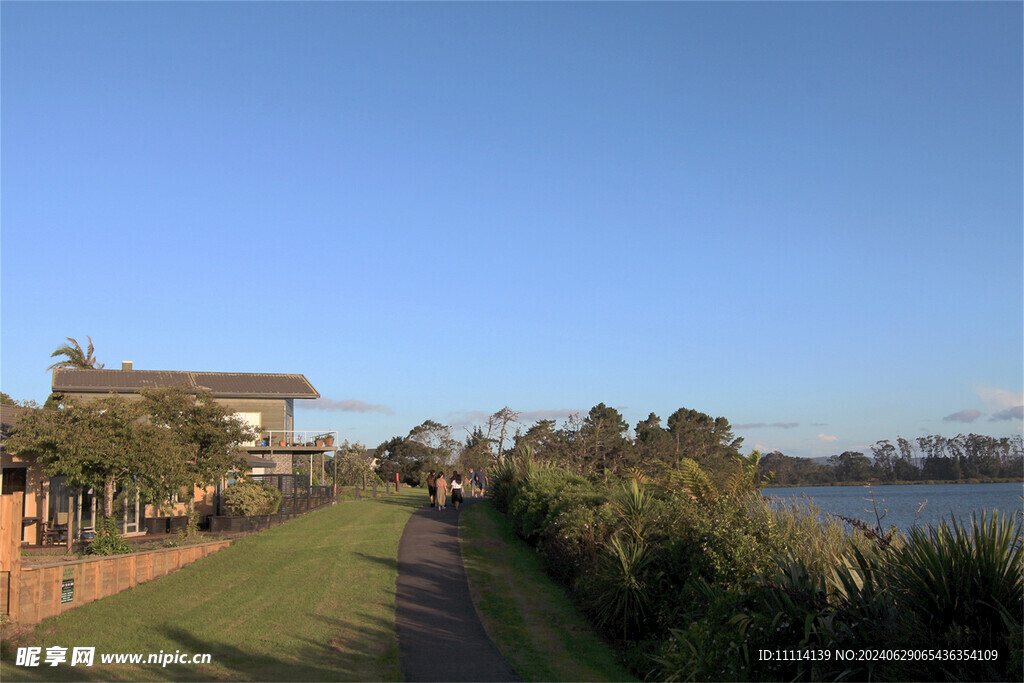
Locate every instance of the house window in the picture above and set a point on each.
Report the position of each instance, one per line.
(58, 503)
(254, 420)
(15, 480)
(131, 519)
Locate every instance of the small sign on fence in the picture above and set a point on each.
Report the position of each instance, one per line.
(67, 585)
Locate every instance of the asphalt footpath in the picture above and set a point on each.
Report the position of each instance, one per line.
(440, 637)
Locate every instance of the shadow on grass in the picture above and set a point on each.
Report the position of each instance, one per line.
(386, 562)
(355, 653)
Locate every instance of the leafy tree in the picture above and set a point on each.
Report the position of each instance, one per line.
(541, 437)
(207, 434)
(498, 426)
(885, 457)
(8, 401)
(75, 358)
(405, 457)
(702, 437)
(476, 452)
(654, 444)
(437, 438)
(851, 466)
(603, 435)
(102, 445)
(789, 470)
(351, 464)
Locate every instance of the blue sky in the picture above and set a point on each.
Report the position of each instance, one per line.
(805, 217)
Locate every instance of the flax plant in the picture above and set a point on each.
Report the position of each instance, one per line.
(961, 583)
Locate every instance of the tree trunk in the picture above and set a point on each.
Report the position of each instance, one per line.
(108, 498)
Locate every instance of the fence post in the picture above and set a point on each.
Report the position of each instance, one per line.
(11, 510)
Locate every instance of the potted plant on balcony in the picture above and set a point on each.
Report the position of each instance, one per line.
(325, 439)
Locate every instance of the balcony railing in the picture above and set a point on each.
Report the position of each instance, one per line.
(309, 438)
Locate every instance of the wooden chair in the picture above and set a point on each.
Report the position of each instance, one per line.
(56, 531)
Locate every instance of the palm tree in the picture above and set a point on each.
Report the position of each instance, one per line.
(76, 359)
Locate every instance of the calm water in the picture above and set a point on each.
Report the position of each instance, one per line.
(941, 501)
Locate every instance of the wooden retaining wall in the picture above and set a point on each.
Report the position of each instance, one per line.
(48, 590)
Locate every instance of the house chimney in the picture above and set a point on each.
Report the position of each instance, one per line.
(126, 365)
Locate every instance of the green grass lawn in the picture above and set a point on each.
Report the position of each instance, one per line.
(529, 617)
(312, 599)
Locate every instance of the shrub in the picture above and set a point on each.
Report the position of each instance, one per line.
(575, 535)
(108, 540)
(246, 497)
(622, 595)
(960, 586)
(543, 492)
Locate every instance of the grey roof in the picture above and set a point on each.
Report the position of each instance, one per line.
(9, 416)
(220, 384)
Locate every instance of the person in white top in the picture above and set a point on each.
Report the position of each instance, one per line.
(457, 490)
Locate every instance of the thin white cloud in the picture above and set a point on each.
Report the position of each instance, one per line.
(999, 399)
(348, 405)
(963, 416)
(828, 438)
(467, 418)
(557, 414)
(763, 425)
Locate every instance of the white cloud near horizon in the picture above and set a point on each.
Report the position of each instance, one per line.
(348, 405)
(773, 425)
(1003, 404)
(828, 438)
(965, 415)
(467, 418)
(998, 399)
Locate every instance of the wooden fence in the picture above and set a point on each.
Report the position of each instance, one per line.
(31, 594)
(11, 506)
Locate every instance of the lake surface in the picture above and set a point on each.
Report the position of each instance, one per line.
(902, 503)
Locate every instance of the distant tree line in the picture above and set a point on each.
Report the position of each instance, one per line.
(598, 443)
(927, 458)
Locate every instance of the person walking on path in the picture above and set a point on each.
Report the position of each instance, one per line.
(456, 490)
(441, 486)
(472, 482)
(432, 486)
(481, 483)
